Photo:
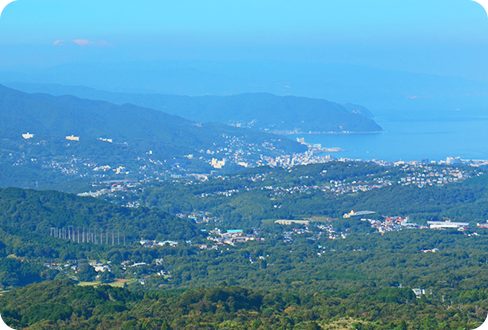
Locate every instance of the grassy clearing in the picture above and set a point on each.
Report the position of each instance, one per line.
(341, 324)
(94, 283)
(119, 283)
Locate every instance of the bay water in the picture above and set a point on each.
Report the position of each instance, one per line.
(434, 138)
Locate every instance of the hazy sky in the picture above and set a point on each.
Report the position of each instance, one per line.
(448, 37)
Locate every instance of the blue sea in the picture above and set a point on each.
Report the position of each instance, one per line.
(434, 138)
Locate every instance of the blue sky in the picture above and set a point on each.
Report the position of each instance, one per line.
(448, 37)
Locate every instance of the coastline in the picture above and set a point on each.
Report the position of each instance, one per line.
(322, 133)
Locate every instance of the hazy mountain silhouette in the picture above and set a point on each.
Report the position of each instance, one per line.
(262, 111)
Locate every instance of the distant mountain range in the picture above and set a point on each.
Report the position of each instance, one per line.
(390, 93)
(45, 115)
(262, 111)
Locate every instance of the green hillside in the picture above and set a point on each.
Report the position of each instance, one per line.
(49, 116)
(39, 211)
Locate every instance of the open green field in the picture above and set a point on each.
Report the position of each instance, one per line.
(118, 283)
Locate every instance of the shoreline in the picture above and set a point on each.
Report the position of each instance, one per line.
(329, 133)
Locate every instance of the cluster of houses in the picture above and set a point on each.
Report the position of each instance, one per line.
(287, 235)
(395, 223)
(230, 237)
(422, 176)
(334, 187)
(326, 229)
(100, 267)
(149, 244)
(97, 265)
(198, 216)
(332, 233)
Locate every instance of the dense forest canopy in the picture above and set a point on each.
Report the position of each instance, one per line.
(39, 211)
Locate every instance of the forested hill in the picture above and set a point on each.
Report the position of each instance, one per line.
(39, 211)
(45, 115)
(262, 111)
(62, 305)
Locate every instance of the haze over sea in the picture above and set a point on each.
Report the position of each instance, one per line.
(435, 138)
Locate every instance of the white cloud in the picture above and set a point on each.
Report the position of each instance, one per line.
(82, 42)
